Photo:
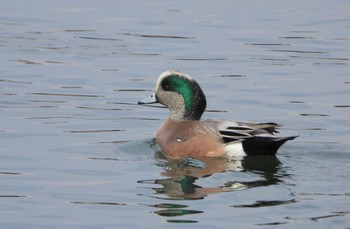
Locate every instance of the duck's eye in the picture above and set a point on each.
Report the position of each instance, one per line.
(166, 86)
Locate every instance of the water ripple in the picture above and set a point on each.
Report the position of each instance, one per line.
(98, 38)
(63, 94)
(15, 81)
(266, 203)
(157, 36)
(93, 131)
(38, 62)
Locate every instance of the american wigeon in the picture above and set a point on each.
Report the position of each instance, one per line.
(183, 134)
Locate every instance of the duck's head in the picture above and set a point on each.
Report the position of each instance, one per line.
(181, 94)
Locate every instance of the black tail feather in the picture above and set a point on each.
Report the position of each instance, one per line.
(259, 145)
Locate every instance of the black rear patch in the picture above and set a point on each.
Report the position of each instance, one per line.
(264, 145)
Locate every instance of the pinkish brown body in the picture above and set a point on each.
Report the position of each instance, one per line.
(189, 138)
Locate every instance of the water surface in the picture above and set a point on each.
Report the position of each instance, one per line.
(76, 151)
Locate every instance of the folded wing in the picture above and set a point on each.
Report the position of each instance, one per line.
(256, 138)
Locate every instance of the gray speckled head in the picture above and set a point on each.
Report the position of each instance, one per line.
(181, 94)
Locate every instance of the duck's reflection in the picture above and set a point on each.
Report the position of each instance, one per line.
(180, 176)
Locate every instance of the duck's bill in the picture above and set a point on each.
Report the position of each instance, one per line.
(150, 99)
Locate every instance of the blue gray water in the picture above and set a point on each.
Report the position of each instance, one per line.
(77, 152)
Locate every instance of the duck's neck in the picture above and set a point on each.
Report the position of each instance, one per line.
(177, 116)
(186, 114)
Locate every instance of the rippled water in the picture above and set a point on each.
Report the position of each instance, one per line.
(76, 151)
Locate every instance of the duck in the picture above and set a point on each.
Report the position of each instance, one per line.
(183, 134)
